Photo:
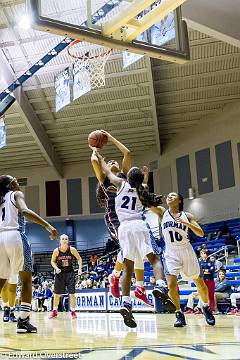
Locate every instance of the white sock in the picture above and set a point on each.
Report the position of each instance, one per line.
(139, 283)
(25, 309)
(205, 304)
(5, 304)
(116, 273)
(161, 283)
(12, 308)
(126, 299)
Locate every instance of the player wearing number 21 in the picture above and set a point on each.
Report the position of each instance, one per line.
(179, 255)
(133, 233)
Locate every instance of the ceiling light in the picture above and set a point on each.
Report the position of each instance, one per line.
(25, 22)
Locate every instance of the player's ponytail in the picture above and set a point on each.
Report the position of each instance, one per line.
(4, 182)
(180, 197)
(135, 179)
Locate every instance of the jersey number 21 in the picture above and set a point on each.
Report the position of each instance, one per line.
(126, 201)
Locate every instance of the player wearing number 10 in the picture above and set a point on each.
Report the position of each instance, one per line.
(179, 254)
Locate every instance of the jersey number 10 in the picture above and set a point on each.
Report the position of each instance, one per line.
(174, 235)
(126, 201)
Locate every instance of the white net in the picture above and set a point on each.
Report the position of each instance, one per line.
(90, 59)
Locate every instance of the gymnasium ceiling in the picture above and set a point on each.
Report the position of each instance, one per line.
(147, 96)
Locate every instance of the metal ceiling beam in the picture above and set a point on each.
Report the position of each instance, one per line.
(32, 122)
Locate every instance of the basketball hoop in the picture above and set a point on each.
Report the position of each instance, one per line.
(91, 58)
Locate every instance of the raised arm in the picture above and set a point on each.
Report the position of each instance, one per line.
(127, 161)
(32, 216)
(192, 224)
(113, 178)
(97, 168)
(159, 210)
(78, 257)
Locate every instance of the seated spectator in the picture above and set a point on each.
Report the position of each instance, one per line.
(101, 267)
(233, 297)
(40, 298)
(152, 281)
(222, 287)
(231, 243)
(105, 281)
(223, 230)
(89, 284)
(47, 297)
(190, 309)
(93, 258)
(218, 264)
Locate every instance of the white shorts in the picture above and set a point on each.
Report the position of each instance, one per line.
(182, 260)
(138, 262)
(15, 254)
(134, 240)
(13, 279)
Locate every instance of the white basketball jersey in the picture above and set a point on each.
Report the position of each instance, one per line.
(174, 234)
(10, 217)
(127, 203)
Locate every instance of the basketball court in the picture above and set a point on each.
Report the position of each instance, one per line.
(94, 336)
(96, 69)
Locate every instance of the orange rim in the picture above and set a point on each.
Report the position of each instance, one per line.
(84, 57)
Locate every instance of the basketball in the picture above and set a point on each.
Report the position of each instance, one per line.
(97, 139)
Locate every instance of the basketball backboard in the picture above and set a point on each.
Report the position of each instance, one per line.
(148, 27)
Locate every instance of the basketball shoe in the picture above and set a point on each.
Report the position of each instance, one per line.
(73, 315)
(207, 312)
(140, 294)
(180, 322)
(126, 312)
(53, 314)
(114, 286)
(6, 313)
(162, 294)
(24, 326)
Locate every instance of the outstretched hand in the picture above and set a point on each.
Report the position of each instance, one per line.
(98, 155)
(109, 136)
(53, 232)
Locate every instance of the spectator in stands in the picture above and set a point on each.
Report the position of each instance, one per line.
(152, 281)
(47, 297)
(218, 264)
(200, 248)
(222, 287)
(233, 297)
(40, 298)
(93, 258)
(223, 230)
(190, 309)
(100, 268)
(89, 284)
(208, 269)
(231, 243)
